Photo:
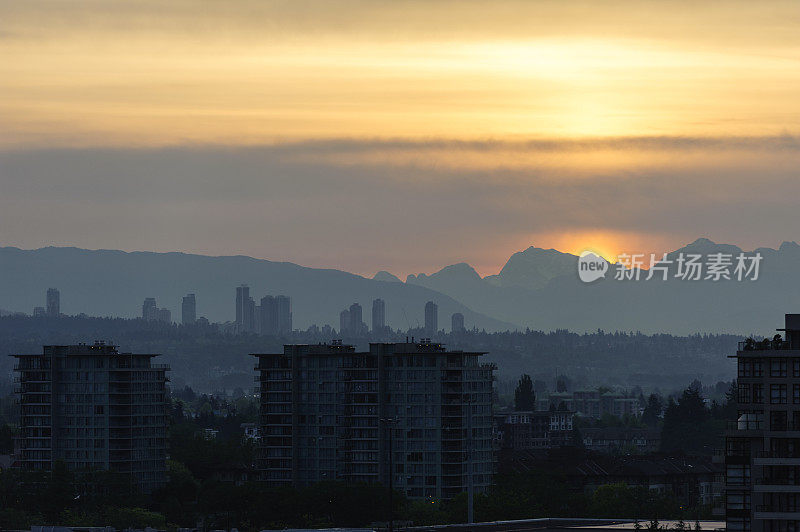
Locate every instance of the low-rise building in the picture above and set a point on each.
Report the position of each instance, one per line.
(536, 429)
(622, 440)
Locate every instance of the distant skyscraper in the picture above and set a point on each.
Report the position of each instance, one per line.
(250, 315)
(258, 319)
(378, 316)
(283, 305)
(163, 315)
(149, 309)
(189, 309)
(38, 312)
(53, 302)
(344, 322)
(268, 317)
(245, 309)
(356, 320)
(276, 315)
(431, 317)
(457, 322)
(242, 295)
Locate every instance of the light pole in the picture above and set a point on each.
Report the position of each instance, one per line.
(390, 422)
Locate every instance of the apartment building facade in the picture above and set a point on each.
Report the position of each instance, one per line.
(93, 408)
(413, 412)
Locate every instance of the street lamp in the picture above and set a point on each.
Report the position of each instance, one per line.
(390, 422)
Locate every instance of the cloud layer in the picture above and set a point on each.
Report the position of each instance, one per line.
(401, 205)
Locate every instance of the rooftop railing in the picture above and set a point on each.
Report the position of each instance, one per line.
(763, 345)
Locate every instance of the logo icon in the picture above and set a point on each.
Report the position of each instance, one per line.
(591, 267)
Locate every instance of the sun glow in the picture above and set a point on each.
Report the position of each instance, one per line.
(608, 244)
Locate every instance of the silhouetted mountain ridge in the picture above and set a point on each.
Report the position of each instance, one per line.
(540, 289)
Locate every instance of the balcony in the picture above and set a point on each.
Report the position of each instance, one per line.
(745, 425)
(776, 485)
(776, 458)
(768, 511)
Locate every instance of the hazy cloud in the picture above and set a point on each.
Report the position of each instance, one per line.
(409, 212)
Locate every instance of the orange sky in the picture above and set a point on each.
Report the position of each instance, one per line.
(144, 75)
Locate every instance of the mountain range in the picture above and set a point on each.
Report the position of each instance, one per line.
(540, 289)
(537, 288)
(115, 283)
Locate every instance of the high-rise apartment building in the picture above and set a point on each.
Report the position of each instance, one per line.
(431, 317)
(245, 310)
(164, 315)
(189, 309)
(457, 322)
(378, 316)
(762, 455)
(93, 408)
(150, 309)
(329, 412)
(53, 302)
(276, 315)
(283, 306)
(356, 326)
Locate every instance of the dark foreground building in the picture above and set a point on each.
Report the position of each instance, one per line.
(93, 408)
(762, 455)
(411, 410)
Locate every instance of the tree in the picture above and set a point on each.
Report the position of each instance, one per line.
(688, 426)
(652, 412)
(524, 396)
(6, 439)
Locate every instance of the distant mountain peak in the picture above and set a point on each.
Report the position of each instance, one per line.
(386, 277)
(705, 246)
(455, 272)
(461, 268)
(702, 241)
(533, 268)
(789, 246)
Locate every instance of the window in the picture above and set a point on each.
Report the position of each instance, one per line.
(796, 367)
(744, 393)
(777, 420)
(758, 393)
(738, 474)
(745, 368)
(777, 394)
(796, 394)
(758, 368)
(777, 367)
(738, 501)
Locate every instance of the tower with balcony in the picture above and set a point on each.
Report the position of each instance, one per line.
(762, 447)
(93, 408)
(413, 413)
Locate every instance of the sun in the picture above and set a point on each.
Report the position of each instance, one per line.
(609, 244)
